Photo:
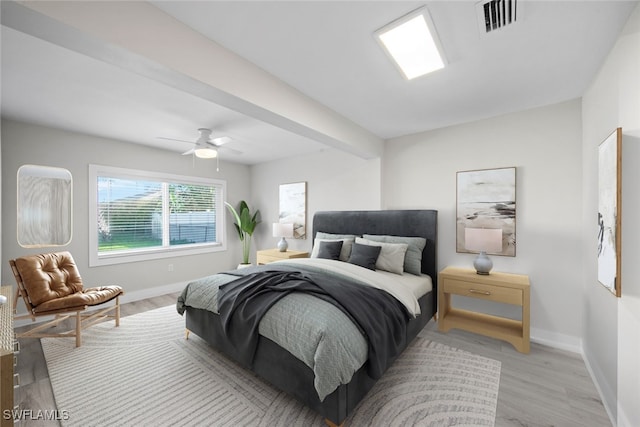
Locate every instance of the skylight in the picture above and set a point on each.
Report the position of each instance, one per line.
(413, 44)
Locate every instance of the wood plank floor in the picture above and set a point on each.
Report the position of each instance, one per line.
(547, 387)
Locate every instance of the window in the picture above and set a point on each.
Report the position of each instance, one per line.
(137, 215)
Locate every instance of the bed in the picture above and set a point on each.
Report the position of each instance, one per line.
(290, 373)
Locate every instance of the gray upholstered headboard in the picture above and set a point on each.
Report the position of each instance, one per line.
(409, 223)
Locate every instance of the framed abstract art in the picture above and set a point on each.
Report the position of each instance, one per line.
(609, 210)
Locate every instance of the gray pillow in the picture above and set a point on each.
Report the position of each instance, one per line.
(364, 255)
(347, 240)
(391, 256)
(330, 250)
(413, 257)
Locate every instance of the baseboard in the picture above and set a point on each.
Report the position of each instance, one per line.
(606, 394)
(574, 345)
(129, 296)
(623, 420)
(555, 340)
(152, 292)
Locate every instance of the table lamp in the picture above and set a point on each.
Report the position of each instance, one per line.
(483, 240)
(282, 230)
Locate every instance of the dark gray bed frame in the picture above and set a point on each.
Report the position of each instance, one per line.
(286, 372)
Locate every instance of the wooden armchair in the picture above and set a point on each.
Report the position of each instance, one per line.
(50, 284)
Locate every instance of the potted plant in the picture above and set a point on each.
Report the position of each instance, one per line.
(245, 226)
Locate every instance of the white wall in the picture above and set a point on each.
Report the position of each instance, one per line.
(628, 374)
(611, 325)
(544, 144)
(335, 181)
(31, 144)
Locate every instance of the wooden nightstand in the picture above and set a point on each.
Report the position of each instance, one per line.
(499, 287)
(270, 255)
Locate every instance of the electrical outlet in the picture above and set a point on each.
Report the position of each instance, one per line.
(170, 267)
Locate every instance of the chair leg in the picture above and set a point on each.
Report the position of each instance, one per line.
(78, 329)
(15, 301)
(118, 311)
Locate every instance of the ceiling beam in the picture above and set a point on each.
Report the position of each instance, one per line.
(143, 39)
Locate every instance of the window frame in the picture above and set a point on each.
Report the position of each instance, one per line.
(145, 254)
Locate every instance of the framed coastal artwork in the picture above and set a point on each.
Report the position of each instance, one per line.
(486, 199)
(609, 210)
(293, 207)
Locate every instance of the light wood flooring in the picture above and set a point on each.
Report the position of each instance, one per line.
(547, 387)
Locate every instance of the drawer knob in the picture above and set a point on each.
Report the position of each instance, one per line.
(475, 291)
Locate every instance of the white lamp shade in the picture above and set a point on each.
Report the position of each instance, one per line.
(483, 239)
(282, 230)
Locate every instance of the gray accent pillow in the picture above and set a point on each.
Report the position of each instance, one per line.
(347, 240)
(413, 257)
(330, 250)
(364, 255)
(391, 256)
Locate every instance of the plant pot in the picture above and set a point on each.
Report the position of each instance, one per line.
(244, 265)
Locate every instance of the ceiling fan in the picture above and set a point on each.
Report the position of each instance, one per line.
(206, 147)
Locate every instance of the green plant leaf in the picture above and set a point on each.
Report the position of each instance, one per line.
(238, 222)
(245, 224)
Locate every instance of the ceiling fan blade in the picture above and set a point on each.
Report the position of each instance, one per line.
(221, 140)
(173, 139)
(204, 141)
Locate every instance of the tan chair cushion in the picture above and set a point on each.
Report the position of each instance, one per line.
(90, 296)
(49, 276)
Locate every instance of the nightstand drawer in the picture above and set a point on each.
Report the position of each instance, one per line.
(479, 290)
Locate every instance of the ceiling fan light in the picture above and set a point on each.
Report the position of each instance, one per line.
(206, 153)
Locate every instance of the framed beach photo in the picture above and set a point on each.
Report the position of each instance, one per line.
(609, 211)
(486, 199)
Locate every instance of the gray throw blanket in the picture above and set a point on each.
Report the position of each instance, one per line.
(380, 316)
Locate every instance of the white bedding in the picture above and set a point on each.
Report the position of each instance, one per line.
(419, 285)
(406, 288)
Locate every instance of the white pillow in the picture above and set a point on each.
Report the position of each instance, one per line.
(345, 252)
(391, 256)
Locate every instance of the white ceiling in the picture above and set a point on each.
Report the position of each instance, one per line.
(325, 50)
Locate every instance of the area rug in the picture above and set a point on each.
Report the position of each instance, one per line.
(145, 373)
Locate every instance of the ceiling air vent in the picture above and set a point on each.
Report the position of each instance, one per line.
(494, 15)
